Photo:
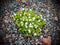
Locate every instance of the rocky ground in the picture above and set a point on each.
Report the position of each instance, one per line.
(11, 31)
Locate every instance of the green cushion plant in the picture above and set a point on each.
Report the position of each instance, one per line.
(28, 22)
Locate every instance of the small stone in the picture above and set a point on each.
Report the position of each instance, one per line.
(56, 18)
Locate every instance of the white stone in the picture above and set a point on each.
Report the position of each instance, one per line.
(44, 19)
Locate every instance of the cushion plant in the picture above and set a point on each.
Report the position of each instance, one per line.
(28, 22)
